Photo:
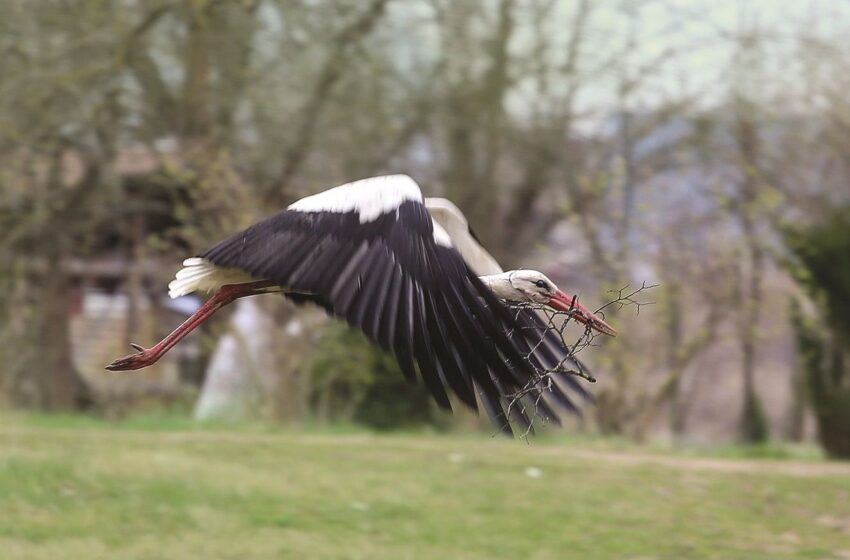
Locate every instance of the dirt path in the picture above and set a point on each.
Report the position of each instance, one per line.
(625, 458)
(745, 466)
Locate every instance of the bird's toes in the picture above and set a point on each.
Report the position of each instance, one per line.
(124, 364)
(132, 361)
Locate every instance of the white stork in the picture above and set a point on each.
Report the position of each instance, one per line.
(369, 252)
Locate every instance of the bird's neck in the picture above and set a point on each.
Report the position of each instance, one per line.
(500, 285)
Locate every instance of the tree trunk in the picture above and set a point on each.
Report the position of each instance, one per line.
(195, 112)
(795, 427)
(753, 424)
(62, 388)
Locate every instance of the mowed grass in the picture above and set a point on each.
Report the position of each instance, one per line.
(92, 491)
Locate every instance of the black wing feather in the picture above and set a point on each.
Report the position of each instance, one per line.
(415, 298)
(425, 352)
(403, 337)
(390, 315)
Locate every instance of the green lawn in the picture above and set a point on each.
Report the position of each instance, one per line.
(86, 490)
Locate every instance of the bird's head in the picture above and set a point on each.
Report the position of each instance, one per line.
(531, 286)
(534, 287)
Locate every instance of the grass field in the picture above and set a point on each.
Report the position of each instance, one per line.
(88, 490)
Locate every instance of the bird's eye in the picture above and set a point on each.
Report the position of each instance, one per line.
(540, 284)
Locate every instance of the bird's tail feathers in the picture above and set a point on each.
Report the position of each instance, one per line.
(199, 274)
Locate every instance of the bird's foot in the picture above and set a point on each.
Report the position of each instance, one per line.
(142, 359)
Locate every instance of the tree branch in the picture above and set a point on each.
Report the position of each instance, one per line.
(300, 148)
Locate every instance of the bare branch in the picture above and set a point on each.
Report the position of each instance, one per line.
(330, 74)
(528, 400)
(624, 299)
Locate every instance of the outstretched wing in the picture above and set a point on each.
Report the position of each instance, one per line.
(368, 252)
(548, 347)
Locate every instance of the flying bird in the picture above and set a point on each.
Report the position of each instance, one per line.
(408, 272)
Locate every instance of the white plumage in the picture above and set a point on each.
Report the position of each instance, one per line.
(200, 275)
(450, 219)
(370, 198)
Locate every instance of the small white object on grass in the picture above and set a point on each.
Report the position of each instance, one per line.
(455, 457)
(533, 472)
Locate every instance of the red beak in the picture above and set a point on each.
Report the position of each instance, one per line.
(563, 302)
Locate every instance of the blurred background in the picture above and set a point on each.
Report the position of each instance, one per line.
(703, 146)
(700, 146)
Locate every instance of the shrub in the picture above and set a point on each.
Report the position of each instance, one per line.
(351, 379)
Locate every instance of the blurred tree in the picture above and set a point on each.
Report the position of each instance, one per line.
(684, 282)
(607, 184)
(47, 114)
(78, 92)
(822, 266)
(747, 203)
(594, 128)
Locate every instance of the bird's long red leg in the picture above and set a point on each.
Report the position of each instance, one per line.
(225, 295)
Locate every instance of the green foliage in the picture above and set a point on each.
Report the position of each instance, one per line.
(351, 379)
(823, 268)
(823, 258)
